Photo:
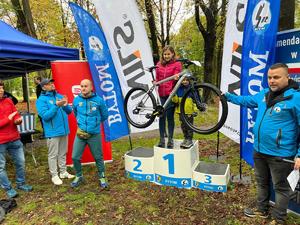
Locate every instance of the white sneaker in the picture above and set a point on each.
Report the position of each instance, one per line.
(66, 175)
(56, 180)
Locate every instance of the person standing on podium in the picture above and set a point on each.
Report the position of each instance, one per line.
(276, 137)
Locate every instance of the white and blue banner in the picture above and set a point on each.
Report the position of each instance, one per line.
(258, 55)
(103, 71)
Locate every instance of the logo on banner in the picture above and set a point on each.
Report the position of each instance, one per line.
(76, 90)
(95, 43)
(261, 17)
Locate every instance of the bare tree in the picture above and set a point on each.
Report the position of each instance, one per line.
(287, 15)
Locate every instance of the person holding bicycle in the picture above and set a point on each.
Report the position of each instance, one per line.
(166, 67)
(276, 137)
(190, 109)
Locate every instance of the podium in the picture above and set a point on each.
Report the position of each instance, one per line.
(176, 167)
(173, 167)
(211, 176)
(139, 164)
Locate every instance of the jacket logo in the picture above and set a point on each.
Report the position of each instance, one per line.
(94, 108)
(277, 109)
(80, 104)
(51, 102)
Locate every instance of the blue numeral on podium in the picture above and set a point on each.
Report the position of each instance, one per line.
(207, 179)
(170, 158)
(139, 163)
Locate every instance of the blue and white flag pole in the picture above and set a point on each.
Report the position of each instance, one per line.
(103, 72)
(258, 55)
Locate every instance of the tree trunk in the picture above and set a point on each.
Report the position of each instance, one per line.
(287, 15)
(152, 28)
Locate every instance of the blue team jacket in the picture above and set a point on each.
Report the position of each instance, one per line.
(54, 118)
(90, 112)
(276, 130)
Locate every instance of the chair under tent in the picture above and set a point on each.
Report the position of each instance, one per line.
(21, 54)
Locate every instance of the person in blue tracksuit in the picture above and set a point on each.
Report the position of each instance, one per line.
(90, 111)
(276, 137)
(53, 108)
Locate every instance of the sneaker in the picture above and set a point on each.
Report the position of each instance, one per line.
(182, 145)
(276, 222)
(170, 144)
(189, 143)
(24, 187)
(161, 144)
(255, 213)
(66, 175)
(11, 193)
(77, 181)
(103, 182)
(56, 180)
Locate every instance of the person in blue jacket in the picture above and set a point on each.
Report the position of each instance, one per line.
(276, 137)
(90, 111)
(53, 108)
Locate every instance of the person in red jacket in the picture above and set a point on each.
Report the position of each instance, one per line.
(166, 67)
(10, 143)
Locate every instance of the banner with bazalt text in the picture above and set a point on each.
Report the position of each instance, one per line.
(103, 72)
(128, 43)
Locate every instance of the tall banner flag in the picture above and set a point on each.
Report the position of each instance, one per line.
(103, 72)
(128, 42)
(258, 55)
(232, 63)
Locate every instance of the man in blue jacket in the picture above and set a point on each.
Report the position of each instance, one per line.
(90, 111)
(53, 108)
(276, 133)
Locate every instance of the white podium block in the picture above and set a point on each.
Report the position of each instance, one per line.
(173, 167)
(139, 164)
(211, 176)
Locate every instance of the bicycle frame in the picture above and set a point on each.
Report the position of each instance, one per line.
(182, 75)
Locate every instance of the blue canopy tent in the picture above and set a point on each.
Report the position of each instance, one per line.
(21, 54)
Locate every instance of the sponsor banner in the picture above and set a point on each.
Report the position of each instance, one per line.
(210, 187)
(139, 176)
(231, 64)
(258, 55)
(128, 42)
(173, 181)
(67, 76)
(103, 72)
(288, 51)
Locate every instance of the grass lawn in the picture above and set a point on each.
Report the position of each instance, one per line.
(129, 201)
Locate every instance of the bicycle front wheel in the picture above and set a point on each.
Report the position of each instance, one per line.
(210, 108)
(139, 106)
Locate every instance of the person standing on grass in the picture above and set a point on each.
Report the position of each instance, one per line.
(53, 108)
(276, 137)
(90, 111)
(167, 67)
(11, 144)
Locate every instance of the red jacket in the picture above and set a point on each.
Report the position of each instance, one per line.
(8, 130)
(165, 71)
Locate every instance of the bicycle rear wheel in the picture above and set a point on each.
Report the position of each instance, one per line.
(139, 106)
(210, 108)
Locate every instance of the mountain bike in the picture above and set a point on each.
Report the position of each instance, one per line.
(142, 107)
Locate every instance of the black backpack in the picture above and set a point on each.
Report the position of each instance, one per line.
(6, 205)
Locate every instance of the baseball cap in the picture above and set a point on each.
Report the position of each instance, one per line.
(46, 81)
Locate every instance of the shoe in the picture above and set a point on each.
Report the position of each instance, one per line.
(24, 187)
(170, 144)
(161, 143)
(56, 180)
(66, 175)
(77, 181)
(255, 213)
(11, 193)
(103, 182)
(277, 222)
(189, 143)
(182, 145)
